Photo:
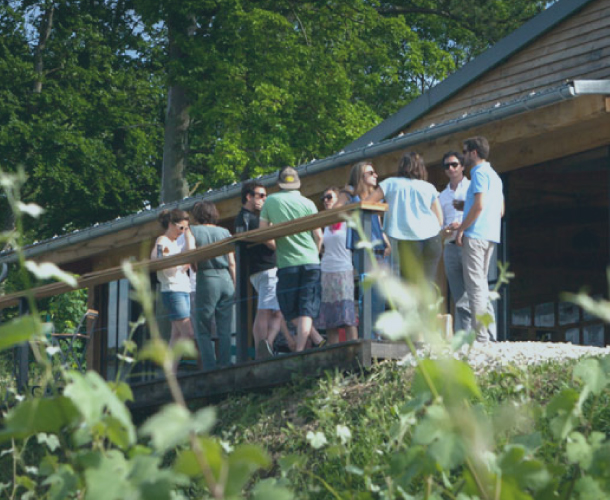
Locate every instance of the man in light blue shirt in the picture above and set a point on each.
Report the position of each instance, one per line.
(480, 232)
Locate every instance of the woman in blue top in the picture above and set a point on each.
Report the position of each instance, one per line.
(414, 217)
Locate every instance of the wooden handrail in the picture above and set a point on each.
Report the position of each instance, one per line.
(321, 219)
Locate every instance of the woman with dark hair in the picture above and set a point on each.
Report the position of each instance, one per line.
(414, 217)
(337, 308)
(215, 294)
(175, 284)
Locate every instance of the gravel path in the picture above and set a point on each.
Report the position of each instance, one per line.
(495, 355)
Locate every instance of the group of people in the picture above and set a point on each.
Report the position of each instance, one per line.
(462, 225)
(297, 289)
(206, 289)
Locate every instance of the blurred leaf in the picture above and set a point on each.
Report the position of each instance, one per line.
(268, 489)
(49, 415)
(187, 463)
(18, 330)
(63, 483)
(591, 374)
(168, 427)
(94, 397)
(122, 390)
(107, 480)
(453, 379)
(173, 424)
(50, 440)
(243, 462)
(449, 451)
(155, 350)
(528, 473)
(589, 488)
(561, 410)
(578, 450)
(48, 270)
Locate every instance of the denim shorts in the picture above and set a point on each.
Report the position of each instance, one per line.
(265, 284)
(299, 291)
(177, 304)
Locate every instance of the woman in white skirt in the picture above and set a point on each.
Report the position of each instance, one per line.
(337, 309)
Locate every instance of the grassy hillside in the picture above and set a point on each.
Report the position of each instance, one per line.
(353, 435)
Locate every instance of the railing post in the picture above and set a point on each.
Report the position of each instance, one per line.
(241, 296)
(365, 325)
(22, 353)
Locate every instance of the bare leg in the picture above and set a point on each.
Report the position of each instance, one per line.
(292, 345)
(304, 325)
(273, 328)
(260, 327)
(315, 336)
(332, 334)
(174, 337)
(351, 333)
(181, 329)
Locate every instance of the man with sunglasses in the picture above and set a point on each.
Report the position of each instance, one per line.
(263, 271)
(479, 233)
(452, 203)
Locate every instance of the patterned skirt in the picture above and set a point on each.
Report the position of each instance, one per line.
(338, 307)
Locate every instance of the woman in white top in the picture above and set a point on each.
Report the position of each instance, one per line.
(175, 282)
(414, 218)
(337, 308)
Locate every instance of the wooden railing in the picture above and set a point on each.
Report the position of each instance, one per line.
(236, 243)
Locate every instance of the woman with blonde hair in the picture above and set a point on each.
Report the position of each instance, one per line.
(414, 217)
(362, 182)
(175, 282)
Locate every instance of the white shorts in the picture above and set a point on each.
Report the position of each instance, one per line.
(265, 284)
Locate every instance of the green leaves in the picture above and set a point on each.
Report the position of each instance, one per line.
(49, 415)
(173, 424)
(231, 473)
(19, 330)
(98, 404)
(454, 380)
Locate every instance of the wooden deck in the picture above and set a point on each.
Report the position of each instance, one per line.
(265, 374)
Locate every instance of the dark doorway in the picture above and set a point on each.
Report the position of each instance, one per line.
(558, 229)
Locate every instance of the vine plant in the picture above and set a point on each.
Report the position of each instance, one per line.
(91, 448)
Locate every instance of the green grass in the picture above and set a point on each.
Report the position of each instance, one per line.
(370, 405)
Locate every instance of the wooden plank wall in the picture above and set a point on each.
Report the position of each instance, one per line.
(577, 49)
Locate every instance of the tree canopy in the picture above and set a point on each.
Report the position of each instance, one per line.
(264, 83)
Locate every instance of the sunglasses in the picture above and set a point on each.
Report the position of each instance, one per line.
(181, 228)
(453, 164)
(370, 172)
(327, 197)
(262, 196)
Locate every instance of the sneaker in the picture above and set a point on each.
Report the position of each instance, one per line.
(322, 343)
(264, 350)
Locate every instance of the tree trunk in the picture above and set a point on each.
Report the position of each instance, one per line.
(175, 147)
(46, 25)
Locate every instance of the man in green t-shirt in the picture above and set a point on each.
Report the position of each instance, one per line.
(298, 255)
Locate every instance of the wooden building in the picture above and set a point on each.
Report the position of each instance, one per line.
(542, 98)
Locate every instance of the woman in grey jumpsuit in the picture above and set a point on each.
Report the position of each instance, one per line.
(215, 295)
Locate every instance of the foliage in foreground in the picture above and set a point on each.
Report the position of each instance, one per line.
(430, 432)
(532, 432)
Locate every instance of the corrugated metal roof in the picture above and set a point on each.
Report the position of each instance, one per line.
(499, 111)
